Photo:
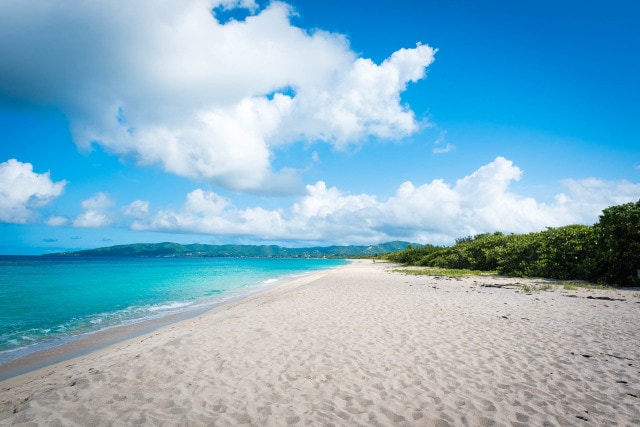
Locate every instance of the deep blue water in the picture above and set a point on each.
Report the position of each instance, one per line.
(47, 301)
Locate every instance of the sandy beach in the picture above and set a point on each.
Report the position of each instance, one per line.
(360, 345)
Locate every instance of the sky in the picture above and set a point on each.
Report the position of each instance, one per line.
(305, 123)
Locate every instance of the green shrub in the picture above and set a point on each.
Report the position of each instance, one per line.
(608, 252)
(617, 235)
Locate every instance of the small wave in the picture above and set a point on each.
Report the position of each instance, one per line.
(170, 306)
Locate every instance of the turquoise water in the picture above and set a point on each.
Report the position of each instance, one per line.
(47, 301)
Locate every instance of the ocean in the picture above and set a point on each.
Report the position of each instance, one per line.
(49, 301)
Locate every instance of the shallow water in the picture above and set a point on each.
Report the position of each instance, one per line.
(48, 301)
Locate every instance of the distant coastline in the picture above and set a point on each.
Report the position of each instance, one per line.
(169, 249)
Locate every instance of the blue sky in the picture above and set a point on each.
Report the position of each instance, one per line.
(312, 123)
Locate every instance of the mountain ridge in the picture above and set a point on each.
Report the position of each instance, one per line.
(197, 250)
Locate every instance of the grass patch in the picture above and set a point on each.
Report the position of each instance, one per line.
(527, 288)
(447, 272)
(542, 288)
(574, 286)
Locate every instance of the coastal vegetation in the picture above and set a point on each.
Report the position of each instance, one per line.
(607, 252)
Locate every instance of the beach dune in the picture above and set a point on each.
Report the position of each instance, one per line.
(360, 345)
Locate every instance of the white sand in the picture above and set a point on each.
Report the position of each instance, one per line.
(361, 346)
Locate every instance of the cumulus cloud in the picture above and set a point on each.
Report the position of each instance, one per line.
(22, 191)
(138, 209)
(167, 83)
(96, 212)
(435, 212)
(589, 196)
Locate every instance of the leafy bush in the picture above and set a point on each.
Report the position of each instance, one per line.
(411, 255)
(617, 237)
(608, 252)
(520, 255)
(568, 253)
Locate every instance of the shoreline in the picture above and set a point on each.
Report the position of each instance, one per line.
(91, 342)
(359, 345)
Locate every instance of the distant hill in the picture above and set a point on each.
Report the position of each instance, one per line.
(163, 250)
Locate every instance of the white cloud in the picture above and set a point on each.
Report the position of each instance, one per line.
(443, 150)
(99, 201)
(439, 148)
(164, 82)
(137, 209)
(56, 221)
(23, 191)
(362, 99)
(96, 212)
(589, 196)
(435, 212)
